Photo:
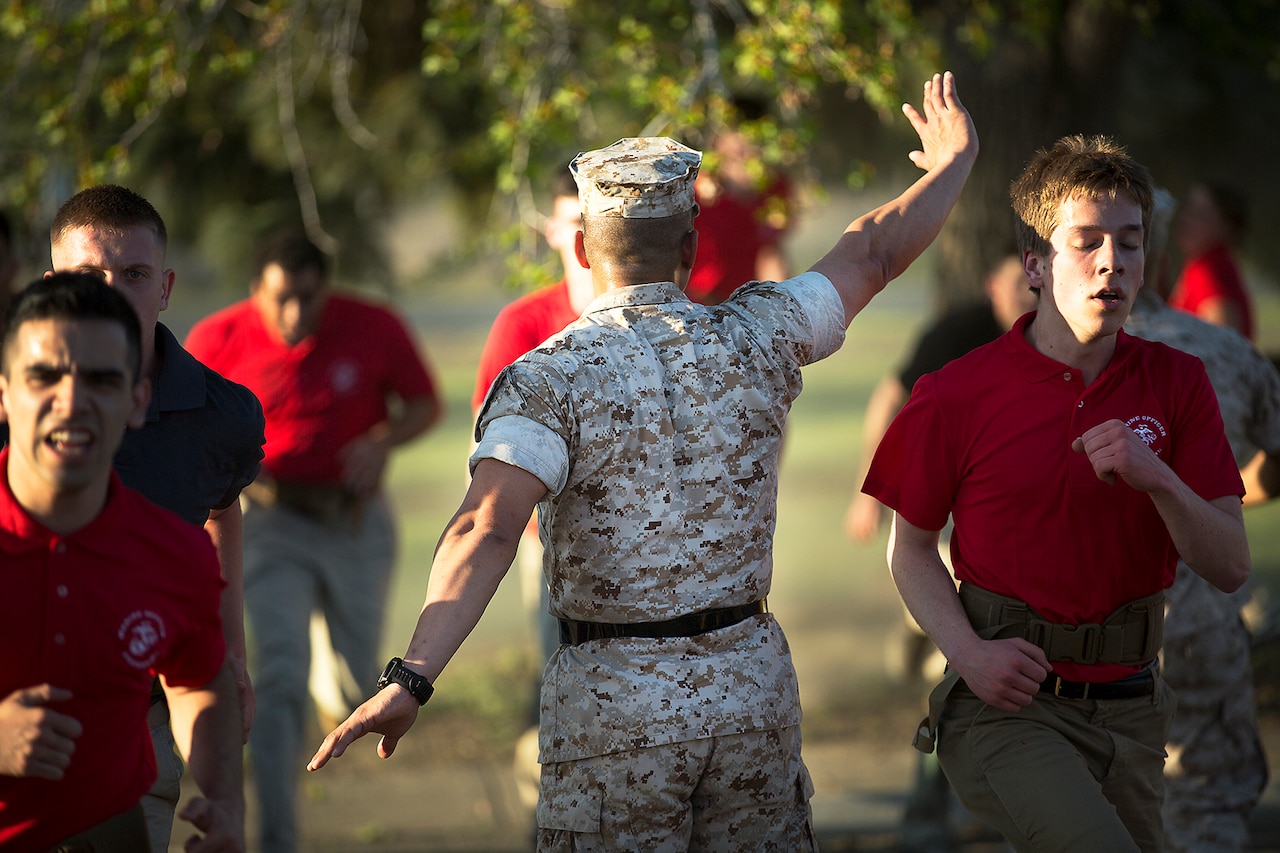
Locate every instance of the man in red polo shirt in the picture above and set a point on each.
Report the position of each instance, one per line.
(1077, 464)
(90, 596)
(342, 384)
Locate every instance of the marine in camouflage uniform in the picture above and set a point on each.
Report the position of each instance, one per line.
(647, 434)
(1216, 768)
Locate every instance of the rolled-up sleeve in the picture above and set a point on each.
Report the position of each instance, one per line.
(527, 445)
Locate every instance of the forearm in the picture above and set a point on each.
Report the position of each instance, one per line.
(471, 559)
(226, 529)
(1209, 535)
(413, 418)
(879, 246)
(206, 727)
(1261, 478)
(927, 588)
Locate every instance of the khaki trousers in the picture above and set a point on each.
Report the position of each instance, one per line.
(1061, 774)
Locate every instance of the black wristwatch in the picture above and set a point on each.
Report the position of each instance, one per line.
(397, 673)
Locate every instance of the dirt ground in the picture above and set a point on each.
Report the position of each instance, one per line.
(449, 789)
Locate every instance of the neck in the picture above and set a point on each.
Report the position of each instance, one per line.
(150, 358)
(61, 512)
(1089, 357)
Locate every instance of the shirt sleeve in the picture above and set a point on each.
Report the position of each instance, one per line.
(913, 471)
(1201, 456)
(197, 655)
(527, 421)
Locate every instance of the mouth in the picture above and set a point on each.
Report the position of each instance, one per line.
(70, 441)
(1110, 298)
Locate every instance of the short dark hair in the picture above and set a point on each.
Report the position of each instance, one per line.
(107, 206)
(73, 296)
(292, 251)
(1089, 167)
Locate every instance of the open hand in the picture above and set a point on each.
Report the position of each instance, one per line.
(946, 130)
(390, 712)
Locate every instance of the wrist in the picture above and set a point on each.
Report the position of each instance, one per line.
(415, 683)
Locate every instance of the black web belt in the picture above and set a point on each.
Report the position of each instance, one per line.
(574, 632)
(1139, 684)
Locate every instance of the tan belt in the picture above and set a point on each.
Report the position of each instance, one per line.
(331, 505)
(1131, 635)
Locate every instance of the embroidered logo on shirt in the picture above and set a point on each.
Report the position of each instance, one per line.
(141, 632)
(343, 376)
(1149, 430)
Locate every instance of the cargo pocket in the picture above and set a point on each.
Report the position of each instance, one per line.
(563, 804)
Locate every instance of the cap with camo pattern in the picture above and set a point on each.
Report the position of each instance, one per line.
(637, 178)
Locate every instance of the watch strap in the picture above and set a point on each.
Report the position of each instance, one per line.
(397, 673)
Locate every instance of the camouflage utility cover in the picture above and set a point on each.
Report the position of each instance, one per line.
(656, 425)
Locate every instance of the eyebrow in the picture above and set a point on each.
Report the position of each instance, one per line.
(1081, 229)
(92, 373)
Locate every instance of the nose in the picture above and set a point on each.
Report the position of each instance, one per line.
(70, 396)
(1110, 258)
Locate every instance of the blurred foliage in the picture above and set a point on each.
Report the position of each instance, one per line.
(238, 116)
(235, 116)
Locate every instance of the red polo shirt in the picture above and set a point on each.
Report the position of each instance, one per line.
(99, 612)
(323, 392)
(518, 328)
(988, 439)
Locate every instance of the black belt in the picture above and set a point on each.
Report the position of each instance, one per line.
(574, 632)
(1141, 684)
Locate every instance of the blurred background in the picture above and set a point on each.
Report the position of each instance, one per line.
(416, 142)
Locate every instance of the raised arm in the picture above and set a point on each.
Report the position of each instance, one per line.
(879, 246)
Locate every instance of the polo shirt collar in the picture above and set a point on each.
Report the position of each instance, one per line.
(20, 532)
(1035, 366)
(653, 293)
(180, 383)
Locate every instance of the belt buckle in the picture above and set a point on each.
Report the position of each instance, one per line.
(1057, 689)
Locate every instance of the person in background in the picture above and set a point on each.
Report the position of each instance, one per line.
(1077, 463)
(744, 213)
(342, 385)
(648, 435)
(199, 446)
(1216, 768)
(1208, 232)
(961, 329)
(92, 598)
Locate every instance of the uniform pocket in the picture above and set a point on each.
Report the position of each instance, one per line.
(564, 804)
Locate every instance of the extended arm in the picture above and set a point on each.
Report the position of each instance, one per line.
(878, 247)
(365, 458)
(1209, 535)
(226, 528)
(1003, 673)
(473, 555)
(206, 726)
